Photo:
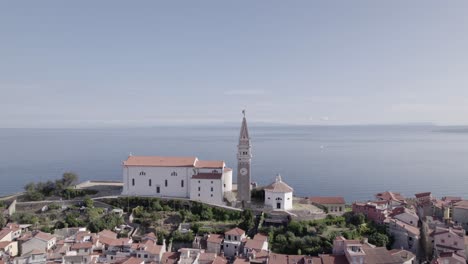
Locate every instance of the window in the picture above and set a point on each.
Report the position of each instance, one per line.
(165, 183)
(174, 173)
(198, 181)
(229, 237)
(199, 188)
(211, 182)
(442, 241)
(211, 188)
(182, 183)
(158, 189)
(133, 182)
(149, 182)
(227, 246)
(224, 185)
(455, 243)
(142, 173)
(198, 195)
(214, 171)
(211, 195)
(146, 255)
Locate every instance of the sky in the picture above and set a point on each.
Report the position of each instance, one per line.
(146, 63)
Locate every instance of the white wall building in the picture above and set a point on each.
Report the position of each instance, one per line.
(279, 195)
(176, 177)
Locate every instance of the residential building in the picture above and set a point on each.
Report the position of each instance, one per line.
(258, 243)
(460, 213)
(405, 236)
(375, 211)
(233, 241)
(9, 248)
(405, 215)
(393, 199)
(40, 241)
(279, 195)
(449, 240)
(214, 243)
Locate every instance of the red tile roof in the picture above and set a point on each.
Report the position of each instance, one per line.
(390, 196)
(260, 237)
(254, 244)
(4, 232)
(83, 245)
(209, 164)
(215, 238)
(462, 204)
(170, 258)
(107, 233)
(44, 236)
(133, 260)
(235, 231)
(5, 244)
(207, 176)
(423, 194)
(159, 161)
(279, 186)
(327, 200)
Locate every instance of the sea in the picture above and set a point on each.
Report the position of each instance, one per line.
(355, 162)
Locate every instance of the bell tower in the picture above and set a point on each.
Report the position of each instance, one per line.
(244, 157)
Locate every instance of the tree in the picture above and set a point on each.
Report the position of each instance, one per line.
(2, 221)
(379, 239)
(88, 202)
(247, 220)
(69, 178)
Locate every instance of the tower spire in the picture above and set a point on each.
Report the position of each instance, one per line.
(244, 132)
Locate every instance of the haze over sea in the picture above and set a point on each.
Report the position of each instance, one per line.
(351, 161)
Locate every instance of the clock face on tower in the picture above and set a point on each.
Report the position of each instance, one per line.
(244, 171)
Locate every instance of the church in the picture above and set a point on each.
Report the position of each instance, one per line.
(206, 181)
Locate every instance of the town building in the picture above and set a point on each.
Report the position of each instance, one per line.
(233, 239)
(447, 240)
(376, 212)
(460, 213)
(244, 158)
(334, 205)
(279, 195)
(405, 236)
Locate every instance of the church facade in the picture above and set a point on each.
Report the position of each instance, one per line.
(207, 181)
(177, 177)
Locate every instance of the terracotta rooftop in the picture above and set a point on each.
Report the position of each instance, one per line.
(327, 200)
(207, 256)
(380, 255)
(207, 176)
(390, 196)
(4, 232)
(83, 245)
(44, 236)
(159, 161)
(170, 258)
(209, 164)
(279, 186)
(423, 194)
(215, 238)
(220, 260)
(4, 244)
(260, 237)
(413, 230)
(462, 204)
(134, 260)
(107, 233)
(254, 244)
(235, 231)
(333, 259)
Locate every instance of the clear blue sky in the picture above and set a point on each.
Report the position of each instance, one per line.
(99, 63)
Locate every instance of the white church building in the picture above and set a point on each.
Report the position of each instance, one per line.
(279, 195)
(177, 177)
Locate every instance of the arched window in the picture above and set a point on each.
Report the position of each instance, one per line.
(142, 173)
(174, 173)
(279, 199)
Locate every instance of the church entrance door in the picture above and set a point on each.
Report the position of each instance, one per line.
(278, 205)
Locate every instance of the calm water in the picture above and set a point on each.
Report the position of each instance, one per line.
(354, 162)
